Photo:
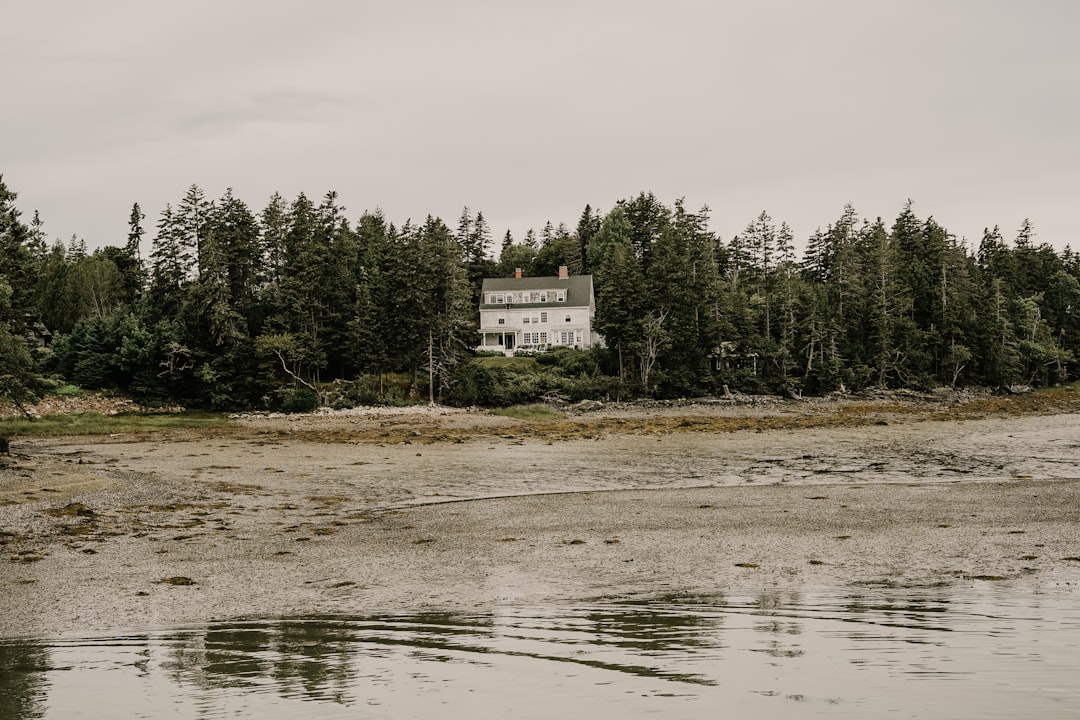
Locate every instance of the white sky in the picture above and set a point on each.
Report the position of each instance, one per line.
(529, 110)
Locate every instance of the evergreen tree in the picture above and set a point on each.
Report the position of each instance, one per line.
(618, 282)
(171, 265)
(17, 264)
(514, 257)
(54, 302)
(479, 241)
(36, 240)
(135, 232)
(558, 249)
(17, 381)
(192, 215)
(224, 296)
(587, 227)
(273, 225)
(887, 303)
(682, 292)
(760, 238)
(647, 218)
(373, 311)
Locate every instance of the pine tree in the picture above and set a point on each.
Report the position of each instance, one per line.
(587, 227)
(36, 239)
(373, 314)
(451, 330)
(17, 264)
(647, 218)
(618, 284)
(17, 382)
(171, 266)
(682, 291)
(135, 232)
(464, 233)
(273, 225)
(760, 238)
(1025, 234)
(479, 240)
(192, 214)
(887, 306)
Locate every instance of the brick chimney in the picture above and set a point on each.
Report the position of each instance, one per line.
(517, 273)
(564, 273)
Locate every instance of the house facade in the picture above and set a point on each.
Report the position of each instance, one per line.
(537, 312)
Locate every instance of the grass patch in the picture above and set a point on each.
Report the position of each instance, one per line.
(65, 390)
(97, 424)
(529, 412)
(517, 363)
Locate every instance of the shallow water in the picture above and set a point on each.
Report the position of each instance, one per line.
(986, 651)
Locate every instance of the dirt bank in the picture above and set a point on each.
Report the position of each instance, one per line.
(316, 514)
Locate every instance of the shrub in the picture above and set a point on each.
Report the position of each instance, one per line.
(299, 400)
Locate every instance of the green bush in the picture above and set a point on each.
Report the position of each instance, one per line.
(299, 400)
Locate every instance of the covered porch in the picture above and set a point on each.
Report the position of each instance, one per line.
(504, 341)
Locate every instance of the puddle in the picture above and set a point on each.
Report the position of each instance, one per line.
(987, 652)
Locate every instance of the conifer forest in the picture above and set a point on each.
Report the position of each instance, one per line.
(214, 304)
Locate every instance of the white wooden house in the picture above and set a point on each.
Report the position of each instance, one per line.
(537, 313)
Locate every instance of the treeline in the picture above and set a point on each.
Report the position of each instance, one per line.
(233, 308)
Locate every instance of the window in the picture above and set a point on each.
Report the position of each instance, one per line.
(543, 297)
(499, 299)
(566, 338)
(568, 318)
(543, 317)
(560, 296)
(525, 319)
(502, 320)
(543, 337)
(526, 297)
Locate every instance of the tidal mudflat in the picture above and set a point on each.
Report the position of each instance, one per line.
(271, 524)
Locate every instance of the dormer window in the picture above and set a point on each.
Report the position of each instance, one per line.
(560, 296)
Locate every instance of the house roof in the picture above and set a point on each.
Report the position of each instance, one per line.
(579, 289)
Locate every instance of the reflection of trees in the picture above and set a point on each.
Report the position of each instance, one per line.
(780, 623)
(307, 659)
(647, 640)
(312, 660)
(23, 683)
(318, 659)
(904, 609)
(656, 630)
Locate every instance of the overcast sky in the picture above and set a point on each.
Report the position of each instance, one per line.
(529, 110)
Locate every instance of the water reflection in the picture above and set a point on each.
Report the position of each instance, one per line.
(849, 654)
(24, 669)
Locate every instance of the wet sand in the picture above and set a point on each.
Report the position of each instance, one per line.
(136, 532)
